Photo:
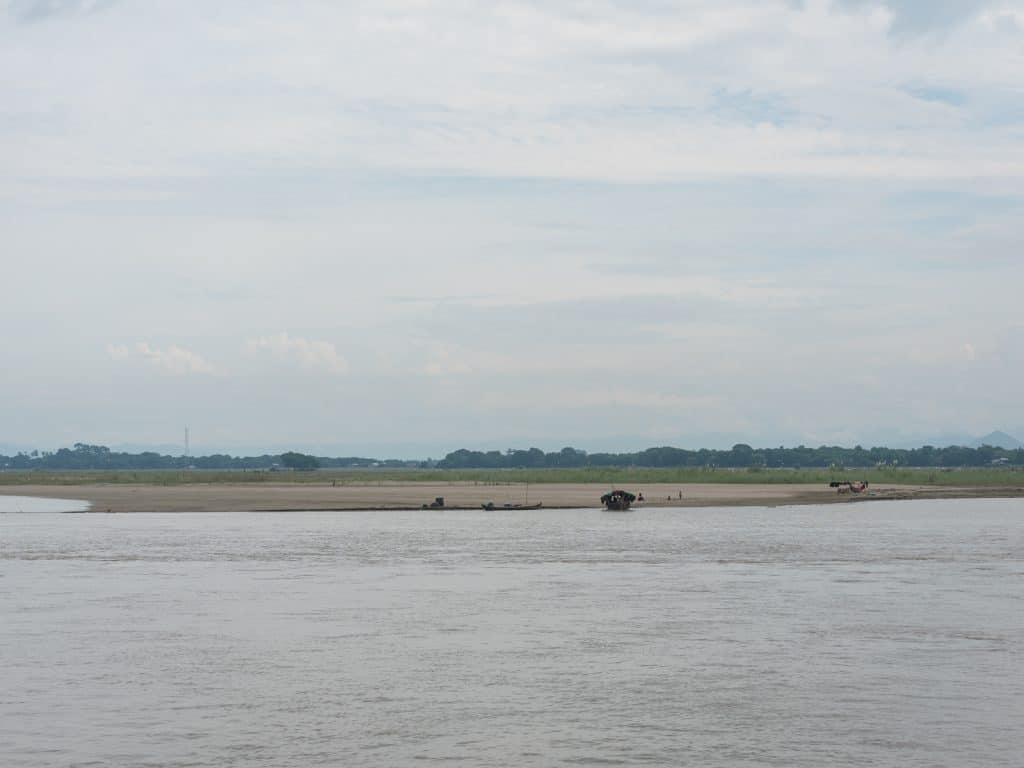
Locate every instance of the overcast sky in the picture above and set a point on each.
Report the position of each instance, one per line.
(402, 227)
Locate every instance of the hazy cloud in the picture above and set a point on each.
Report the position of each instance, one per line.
(306, 354)
(917, 16)
(444, 360)
(173, 360)
(799, 209)
(36, 10)
(603, 91)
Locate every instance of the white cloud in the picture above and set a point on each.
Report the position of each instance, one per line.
(663, 402)
(173, 360)
(598, 91)
(445, 361)
(844, 182)
(37, 10)
(308, 354)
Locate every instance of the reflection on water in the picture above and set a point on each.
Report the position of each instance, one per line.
(16, 504)
(846, 635)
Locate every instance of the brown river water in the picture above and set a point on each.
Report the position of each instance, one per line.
(884, 634)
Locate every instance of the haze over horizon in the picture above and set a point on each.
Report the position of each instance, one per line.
(503, 225)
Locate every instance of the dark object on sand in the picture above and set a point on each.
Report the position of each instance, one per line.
(618, 499)
(490, 506)
(849, 486)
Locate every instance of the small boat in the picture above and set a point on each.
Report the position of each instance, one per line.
(490, 506)
(618, 500)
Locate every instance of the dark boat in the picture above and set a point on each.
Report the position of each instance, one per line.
(618, 500)
(490, 506)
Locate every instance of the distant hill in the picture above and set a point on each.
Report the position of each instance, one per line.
(998, 440)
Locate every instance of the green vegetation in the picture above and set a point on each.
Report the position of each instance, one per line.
(627, 476)
(299, 461)
(740, 455)
(84, 456)
(954, 465)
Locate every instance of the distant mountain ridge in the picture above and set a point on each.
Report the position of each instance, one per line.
(998, 439)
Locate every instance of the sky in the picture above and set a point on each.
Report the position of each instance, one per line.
(402, 227)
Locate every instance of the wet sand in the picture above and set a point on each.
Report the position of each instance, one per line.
(282, 497)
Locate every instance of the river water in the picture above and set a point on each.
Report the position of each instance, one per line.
(883, 633)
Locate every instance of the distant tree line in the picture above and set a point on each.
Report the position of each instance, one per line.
(85, 456)
(741, 455)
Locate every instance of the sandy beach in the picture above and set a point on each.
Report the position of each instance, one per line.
(281, 497)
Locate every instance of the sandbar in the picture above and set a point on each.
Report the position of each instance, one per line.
(396, 495)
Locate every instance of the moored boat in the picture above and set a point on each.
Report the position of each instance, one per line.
(618, 499)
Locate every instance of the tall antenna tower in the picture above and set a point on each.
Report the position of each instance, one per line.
(186, 442)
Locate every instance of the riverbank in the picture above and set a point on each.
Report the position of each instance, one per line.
(283, 497)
